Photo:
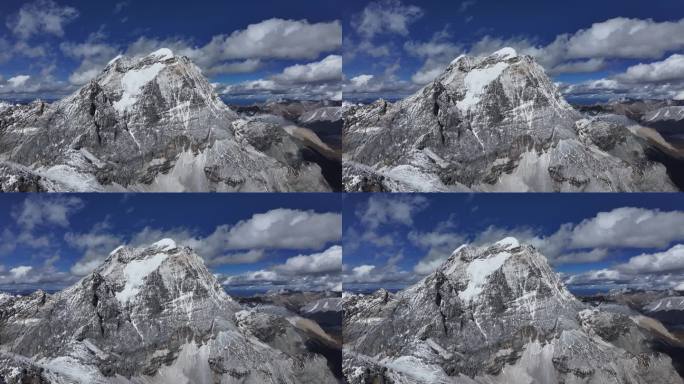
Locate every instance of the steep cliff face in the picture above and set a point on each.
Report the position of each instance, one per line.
(149, 315)
(151, 124)
(487, 124)
(494, 314)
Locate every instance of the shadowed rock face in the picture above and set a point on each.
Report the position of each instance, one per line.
(152, 124)
(495, 314)
(152, 315)
(496, 123)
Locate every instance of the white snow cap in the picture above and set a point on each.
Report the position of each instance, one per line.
(506, 53)
(165, 244)
(508, 242)
(163, 53)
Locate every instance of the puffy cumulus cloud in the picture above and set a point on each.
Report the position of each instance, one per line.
(588, 50)
(244, 66)
(440, 244)
(20, 271)
(286, 229)
(626, 38)
(41, 275)
(18, 81)
(277, 39)
(319, 271)
(248, 257)
(243, 51)
(316, 80)
(94, 55)
(371, 274)
(380, 210)
(41, 16)
(95, 246)
(629, 227)
(325, 262)
(28, 86)
(245, 242)
(659, 79)
(44, 211)
(671, 260)
(327, 70)
(669, 69)
(366, 86)
(660, 270)
(438, 53)
(385, 17)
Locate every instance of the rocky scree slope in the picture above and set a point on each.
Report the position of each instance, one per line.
(494, 123)
(148, 124)
(149, 315)
(494, 314)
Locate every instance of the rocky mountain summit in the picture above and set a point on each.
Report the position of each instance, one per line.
(150, 315)
(494, 123)
(494, 314)
(148, 124)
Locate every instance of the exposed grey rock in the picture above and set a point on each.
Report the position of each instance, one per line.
(496, 123)
(494, 314)
(153, 124)
(149, 315)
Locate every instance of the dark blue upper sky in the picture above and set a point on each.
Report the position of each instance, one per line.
(33, 35)
(564, 227)
(54, 235)
(531, 26)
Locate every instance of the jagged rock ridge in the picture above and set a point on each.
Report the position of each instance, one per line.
(494, 314)
(150, 315)
(148, 124)
(494, 123)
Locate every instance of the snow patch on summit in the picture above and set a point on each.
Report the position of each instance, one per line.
(475, 83)
(478, 272)
(135, 273)
(133, 82)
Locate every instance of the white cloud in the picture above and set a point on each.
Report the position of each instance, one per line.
(361, 80)
(671, 260)
(669, 69)
(21, 271)
(385, 17)
(318, 271)
(626, 38)
(245, 66)
(391, 210)
(41, 16)
(248, 257)
(35, 211)
(277, 38)
(18, 81)
(328, 261)
(327, 70)
(363, 270)
(629, 227)
(286, 229)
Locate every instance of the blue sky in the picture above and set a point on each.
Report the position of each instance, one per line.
(596, 241)
(587, 46)
(57, 42)
(248, 240)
